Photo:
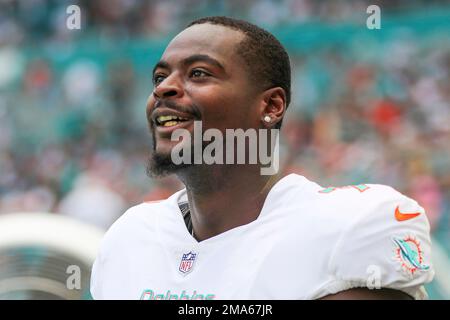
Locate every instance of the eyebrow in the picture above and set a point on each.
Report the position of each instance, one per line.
(161, 64)
(190, 60)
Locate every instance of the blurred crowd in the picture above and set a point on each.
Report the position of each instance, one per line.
(44, 20)
(74, 138)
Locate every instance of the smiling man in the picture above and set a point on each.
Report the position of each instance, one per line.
(234, 233)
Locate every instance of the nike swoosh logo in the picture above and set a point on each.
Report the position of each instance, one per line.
(400, 216)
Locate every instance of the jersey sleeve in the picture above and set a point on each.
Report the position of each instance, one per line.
(387, 245)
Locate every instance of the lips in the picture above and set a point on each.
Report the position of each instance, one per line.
(167, 117)
(167, 120)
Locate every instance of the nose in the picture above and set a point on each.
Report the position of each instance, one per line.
(169, 87)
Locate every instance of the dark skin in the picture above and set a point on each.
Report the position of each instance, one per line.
(200, 70)
(225, 99)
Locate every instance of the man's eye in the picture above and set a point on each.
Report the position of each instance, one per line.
(157, 79)
(196, 73)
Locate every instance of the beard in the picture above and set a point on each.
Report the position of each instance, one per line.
(161, 165)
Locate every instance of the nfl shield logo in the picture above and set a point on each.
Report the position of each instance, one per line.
(187, 262)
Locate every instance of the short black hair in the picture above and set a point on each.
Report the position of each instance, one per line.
(266, 59)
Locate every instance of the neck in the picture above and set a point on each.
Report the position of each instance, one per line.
(224, 197)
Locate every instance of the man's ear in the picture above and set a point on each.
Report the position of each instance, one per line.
(274, 106)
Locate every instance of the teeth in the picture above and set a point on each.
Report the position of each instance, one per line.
(170, 123)
(163, 119)
(166, 118)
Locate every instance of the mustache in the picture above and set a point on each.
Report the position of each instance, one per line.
(192, 109)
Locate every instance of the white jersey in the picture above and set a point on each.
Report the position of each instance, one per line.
(308, 242)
